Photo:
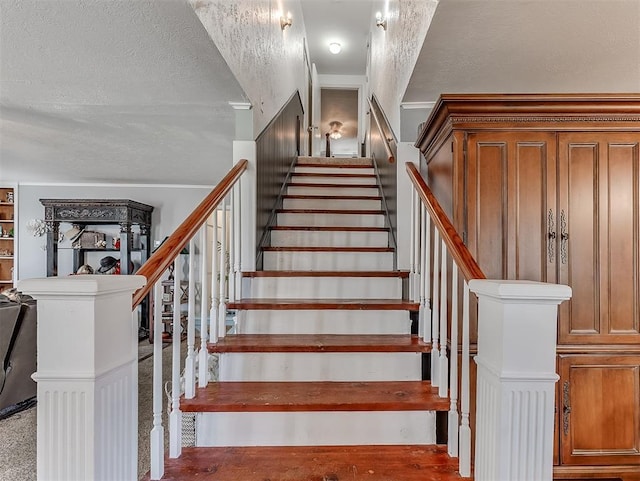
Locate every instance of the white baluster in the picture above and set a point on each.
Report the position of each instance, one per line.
(157, 432)
(443, 378)
(237, 265)
(452, 445)
(412, 249)
(203, 354)
(190, 362)
(222, 306)
(422, 318)
(465, 429)
(418, 254)
(231, 245)
(175, 418)
(435, 312)
(426, 270)
(213, 314)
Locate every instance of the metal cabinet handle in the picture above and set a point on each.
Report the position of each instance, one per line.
(551, 225)
(564, 237)
(566, 408)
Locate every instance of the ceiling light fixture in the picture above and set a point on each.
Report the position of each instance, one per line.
(335, 48)
(335, 129)
(285, 21)
(381, 22)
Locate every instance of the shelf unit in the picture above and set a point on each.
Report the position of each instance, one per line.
(8, 244)
(131, 217)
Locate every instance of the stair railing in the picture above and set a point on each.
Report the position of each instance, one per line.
(439, 308)
(217, 258)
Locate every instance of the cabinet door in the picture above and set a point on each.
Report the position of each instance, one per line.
(599, 415)
(599, 243)
(510, 188)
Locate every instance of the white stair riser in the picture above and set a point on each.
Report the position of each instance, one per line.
(315, 428)
(344, 204)
(330, 220)
(325, 321)
(302, 160)
(326, 287)
(302, 238)
(320, 366)
(307, 169)
(319, 179)
(304, 190)
(327, 261)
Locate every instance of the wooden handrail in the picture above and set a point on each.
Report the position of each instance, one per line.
(461, 255)
(390, 157)
(169, 250)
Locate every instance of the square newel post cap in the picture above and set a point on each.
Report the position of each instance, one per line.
(80, 285)
(521, 291)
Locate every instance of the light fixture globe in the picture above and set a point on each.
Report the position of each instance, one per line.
(335, 48)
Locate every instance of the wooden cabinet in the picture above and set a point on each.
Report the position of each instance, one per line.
(8, 237)
(599, 415)
(547, 188)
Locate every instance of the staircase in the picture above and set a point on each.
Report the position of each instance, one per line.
(322, 379)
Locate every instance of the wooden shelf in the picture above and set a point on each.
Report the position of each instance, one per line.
(6, 238)
(6, 257)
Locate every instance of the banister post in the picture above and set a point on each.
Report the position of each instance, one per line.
(87, 377)
(517, 329)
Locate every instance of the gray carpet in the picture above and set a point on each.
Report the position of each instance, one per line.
(18, 432)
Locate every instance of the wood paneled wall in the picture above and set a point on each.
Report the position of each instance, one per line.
(277, 148)
(386, 169)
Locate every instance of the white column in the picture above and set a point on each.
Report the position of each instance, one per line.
(517, 325)
(87, 377)
(247, 150)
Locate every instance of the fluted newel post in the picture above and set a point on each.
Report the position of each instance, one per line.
(87, 427)
(517, 326)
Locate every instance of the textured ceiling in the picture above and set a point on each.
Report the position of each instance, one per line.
(112, 91)
(529, 46)
(346, 22)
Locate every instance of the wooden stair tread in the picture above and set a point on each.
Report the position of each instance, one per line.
(316, 396)
(320, 343)
(331, 197)
(325, 249)
(345, 186)
(313, 463)
(331, 211)
(331, 174)
(330, 228)
(400, 274)
(306, 304)
(343, 166)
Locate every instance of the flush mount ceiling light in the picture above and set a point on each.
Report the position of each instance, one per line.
(381, 22)
(335, 48)
(285, 21)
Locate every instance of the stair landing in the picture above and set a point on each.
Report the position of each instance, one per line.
(313, 463)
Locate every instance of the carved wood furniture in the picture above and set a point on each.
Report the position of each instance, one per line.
(129, 215)
(547, 188)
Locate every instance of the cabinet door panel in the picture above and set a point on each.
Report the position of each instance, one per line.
(622, 239)
(599, 420)
(511, 178)
(598, 192)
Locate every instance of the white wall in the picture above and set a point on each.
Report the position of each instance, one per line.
(267, 61)
(394, 52)
(172, 204)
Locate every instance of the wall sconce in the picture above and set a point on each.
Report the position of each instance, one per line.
(285, 21)
(381, 22)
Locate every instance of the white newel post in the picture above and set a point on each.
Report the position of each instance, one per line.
(517, 326)
(87, 377)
